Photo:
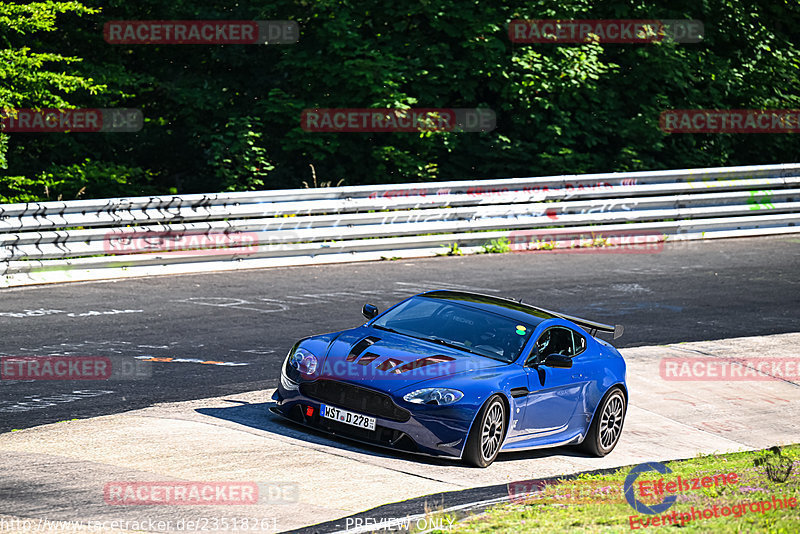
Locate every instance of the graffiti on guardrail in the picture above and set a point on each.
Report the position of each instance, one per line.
(571, 190)
(620, 206)
(761, 200)
(396, 193)
(342, 220)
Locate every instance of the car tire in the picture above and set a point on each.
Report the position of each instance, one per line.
(487, 433)
(607, 424)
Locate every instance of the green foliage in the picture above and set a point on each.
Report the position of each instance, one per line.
(329, 183)
(87, 179)
(236, 156)
(227, 117)
(597, 502)
(452, 250)
(32, 79)
(497, 246)
(541, 244)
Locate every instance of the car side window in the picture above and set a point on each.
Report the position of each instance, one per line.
(560, 342)
(579, 343)
(554, 340)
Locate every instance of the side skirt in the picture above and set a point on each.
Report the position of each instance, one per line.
(571, 441)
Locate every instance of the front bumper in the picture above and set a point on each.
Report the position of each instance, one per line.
(430, 430)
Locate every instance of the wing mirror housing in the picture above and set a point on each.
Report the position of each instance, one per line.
(369, 311)
(558, 360)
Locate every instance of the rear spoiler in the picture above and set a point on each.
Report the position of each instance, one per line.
(592, 326)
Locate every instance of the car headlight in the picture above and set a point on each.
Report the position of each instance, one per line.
(436, 396)
(302, 361)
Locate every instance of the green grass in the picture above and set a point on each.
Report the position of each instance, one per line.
(452, 250)
(497, 246)
(596, 503)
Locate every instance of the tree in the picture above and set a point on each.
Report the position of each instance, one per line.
(31, 79)
(227, 117)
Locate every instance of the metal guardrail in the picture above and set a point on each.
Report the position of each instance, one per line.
(110, 238)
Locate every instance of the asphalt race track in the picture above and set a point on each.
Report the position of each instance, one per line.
(198, 336)
(198, 357)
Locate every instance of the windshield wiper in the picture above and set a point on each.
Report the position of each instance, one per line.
(379, 327)
(440, 341)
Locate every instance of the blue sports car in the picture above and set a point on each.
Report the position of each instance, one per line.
(458, 374)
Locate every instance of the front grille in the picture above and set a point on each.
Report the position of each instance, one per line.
(383, 436)
(354, 398)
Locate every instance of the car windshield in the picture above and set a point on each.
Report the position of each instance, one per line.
(459, 326)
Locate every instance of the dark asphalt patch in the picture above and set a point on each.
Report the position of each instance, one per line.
(687, 292)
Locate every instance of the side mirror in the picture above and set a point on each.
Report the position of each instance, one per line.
(369, 311)
(558, 360)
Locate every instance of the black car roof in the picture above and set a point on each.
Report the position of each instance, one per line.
(508, 308)
(520, 311)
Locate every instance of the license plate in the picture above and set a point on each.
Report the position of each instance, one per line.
(347, 417)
